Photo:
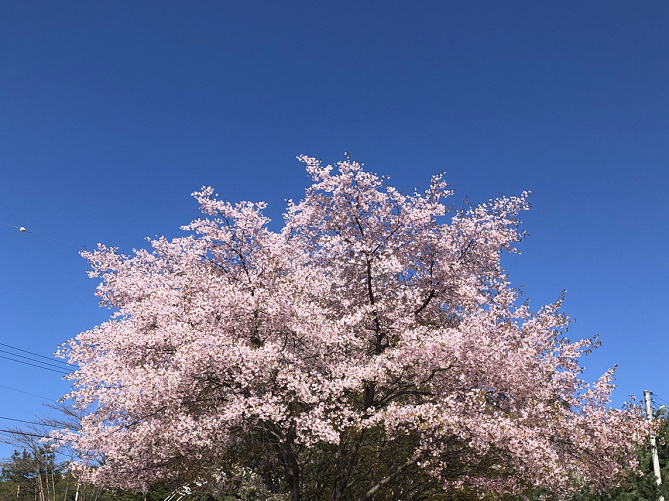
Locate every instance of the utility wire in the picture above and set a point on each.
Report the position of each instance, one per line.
(63, 372)
(23, 229)
(25, 433)
(51, 359)
(655, 395)
(52, 365)
(27, 393)
(21, 420)
(60, 367)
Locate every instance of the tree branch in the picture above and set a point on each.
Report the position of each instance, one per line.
(426, 302)
(410, 462)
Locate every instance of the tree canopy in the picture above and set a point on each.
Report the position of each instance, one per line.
(371, 348)
(641, 485)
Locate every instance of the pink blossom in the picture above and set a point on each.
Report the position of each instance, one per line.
(369, 309)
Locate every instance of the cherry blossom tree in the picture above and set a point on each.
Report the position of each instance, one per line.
(373, 338)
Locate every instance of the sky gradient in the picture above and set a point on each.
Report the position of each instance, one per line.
(112, 113)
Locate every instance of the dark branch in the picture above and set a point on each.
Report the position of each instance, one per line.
(426, 302)
(410, 462)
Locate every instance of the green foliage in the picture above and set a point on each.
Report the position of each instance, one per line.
(36, 476)
(31, 476)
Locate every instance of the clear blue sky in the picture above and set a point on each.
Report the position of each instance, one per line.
(112, 113)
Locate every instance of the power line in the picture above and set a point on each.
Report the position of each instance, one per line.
(21, 420)
(44, 364)
(23, 229)
(33, 360)
(51, 359)
(27, 393)
(25, 433)
(659, 398)
(20, 228)
(63, 372)
(51, 365)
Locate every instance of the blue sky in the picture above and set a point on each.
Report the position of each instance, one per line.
(112, 113)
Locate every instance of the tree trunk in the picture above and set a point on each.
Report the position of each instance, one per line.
(293, 477)
(344, 466)
(291, 466)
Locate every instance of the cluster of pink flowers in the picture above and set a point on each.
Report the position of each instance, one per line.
(370, 309)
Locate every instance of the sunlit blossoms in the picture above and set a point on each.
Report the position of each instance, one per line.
(374, 340)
